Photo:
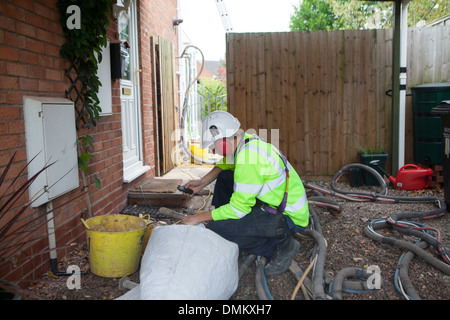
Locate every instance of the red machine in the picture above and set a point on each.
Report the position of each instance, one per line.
(410, 177)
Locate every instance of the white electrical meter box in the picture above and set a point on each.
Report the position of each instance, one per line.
(50, 139)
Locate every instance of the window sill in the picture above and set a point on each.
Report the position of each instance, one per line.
(133, 173)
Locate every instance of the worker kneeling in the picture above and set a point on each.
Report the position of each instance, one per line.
(259, 199)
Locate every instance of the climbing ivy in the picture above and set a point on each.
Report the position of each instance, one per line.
(84, 42)
(86, 144)
(84, 24)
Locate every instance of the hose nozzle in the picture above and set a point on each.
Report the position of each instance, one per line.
(376, 163)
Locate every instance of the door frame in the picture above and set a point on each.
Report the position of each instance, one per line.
(137, 168)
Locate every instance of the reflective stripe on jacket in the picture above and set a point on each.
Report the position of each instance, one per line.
(259, 174)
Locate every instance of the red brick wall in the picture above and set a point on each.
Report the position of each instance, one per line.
(30, 38)
(29, 65)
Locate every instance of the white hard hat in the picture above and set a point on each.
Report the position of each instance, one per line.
(218, 125)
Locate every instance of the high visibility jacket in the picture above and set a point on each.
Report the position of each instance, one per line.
(259, 173)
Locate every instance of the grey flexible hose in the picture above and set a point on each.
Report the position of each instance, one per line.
(245, 264)
(403, 267)
(318, 279)
(438, 264)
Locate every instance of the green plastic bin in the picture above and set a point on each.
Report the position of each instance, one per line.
(443, 111)
(426, 125)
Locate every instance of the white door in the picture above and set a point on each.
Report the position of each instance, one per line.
(130, 96)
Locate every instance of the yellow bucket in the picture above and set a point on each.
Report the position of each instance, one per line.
(199, 152)
(114, 243)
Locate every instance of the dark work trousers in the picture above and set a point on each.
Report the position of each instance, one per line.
(259, 232)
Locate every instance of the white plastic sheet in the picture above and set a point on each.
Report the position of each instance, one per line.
(187, 263)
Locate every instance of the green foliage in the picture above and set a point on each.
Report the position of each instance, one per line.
(378, 149)
(314, 15)
(354, 14)
(427, 11)
(85, 155)
(359, 15)
(85, 45)
(214, 95)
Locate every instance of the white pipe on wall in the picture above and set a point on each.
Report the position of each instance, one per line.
(51, 230)
(402, 77)
(52, 241)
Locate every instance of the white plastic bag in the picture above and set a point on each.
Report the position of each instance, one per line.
(184, 262)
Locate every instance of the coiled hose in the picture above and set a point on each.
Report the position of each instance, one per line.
(370, 231)
(315, 287)
(396, 222)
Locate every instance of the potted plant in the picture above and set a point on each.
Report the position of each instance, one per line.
(366, 155)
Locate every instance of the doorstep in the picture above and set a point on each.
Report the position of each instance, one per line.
(162, 191)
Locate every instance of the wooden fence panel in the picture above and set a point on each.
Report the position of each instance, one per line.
(321, 94)
(167, 76)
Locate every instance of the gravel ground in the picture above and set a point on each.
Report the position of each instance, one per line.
(347, 246)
